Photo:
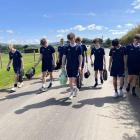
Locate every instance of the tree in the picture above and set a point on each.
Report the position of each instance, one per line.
(108, 43)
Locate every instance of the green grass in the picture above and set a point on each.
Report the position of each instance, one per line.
(7, 78)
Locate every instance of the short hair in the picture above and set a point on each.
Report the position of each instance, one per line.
(70, 36)
(11, 46)
(78, 39)
(137, 37)
(62, 39)
(97, 40)
(43, 41)
(115, 42)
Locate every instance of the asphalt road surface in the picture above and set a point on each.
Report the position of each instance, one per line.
(93, 115)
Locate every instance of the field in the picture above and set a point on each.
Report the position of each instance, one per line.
(7, 78)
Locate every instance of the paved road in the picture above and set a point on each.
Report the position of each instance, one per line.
(93, 115)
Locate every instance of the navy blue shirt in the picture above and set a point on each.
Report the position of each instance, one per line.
(99, 55)
(72, 56)
(132, 55)
(84, 49)
(47, 55)
(16, 57)
(117, 55)
(61, 51)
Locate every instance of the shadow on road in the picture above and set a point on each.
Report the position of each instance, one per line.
(49, 102)
(13, 96)
(98, 102)
(90, 88)
(128, 113)
(4, 90)
(127, 137)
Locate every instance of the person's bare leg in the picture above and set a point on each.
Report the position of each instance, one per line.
(71, 88)
(51, 79)
(96, 79)
(115, 86)
(82, 73)
(130, 79)
(101, 77)
(43, 80)
(134, 83)
(75, 89)
(121, 86)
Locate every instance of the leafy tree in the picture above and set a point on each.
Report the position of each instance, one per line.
(107, 43)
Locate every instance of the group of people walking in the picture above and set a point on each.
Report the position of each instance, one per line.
(73, 57)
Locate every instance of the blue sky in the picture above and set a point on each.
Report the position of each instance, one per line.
(23, 21)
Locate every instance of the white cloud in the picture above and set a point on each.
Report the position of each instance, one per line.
(119, 33)
(135, 6)
(79, 28)
(59, 36)
(119, 26)
(10, 31)
(129, 25)
(63, 31)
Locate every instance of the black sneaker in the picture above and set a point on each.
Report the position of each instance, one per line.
(128, 88)
(50, 85)
(102, 81)
(96, 84)
(134, 93)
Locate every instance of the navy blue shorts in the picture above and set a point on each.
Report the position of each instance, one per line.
(17, 70)
(72, 73)
(133, 71)
(98, 67)
(119, 73)
(47, 68)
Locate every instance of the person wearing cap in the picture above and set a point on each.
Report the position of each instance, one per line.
(133, 62)
(72, 58)
(117, 66)
(48, 58)
(99, 60)
(15, 57)
(84, 54)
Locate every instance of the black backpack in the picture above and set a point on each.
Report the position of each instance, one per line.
(105, 75)
(79, 81)
(30, 73)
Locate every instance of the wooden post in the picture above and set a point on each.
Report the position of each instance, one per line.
(34, 56)
(0, 60)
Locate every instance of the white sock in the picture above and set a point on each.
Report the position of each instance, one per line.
(43, 85)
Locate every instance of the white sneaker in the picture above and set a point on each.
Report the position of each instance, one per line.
(13, 89)
(75, 92)
(43, 88)
(121, 94)
(71, 96)
(115, 95)
(20, 85)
